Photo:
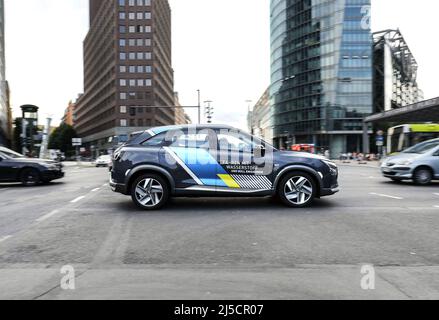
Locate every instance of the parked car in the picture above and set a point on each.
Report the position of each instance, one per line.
(103, 161)
(187, 161)
(419, 163)
(15, 167)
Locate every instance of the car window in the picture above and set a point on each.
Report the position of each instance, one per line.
(200, 141)
(11, 154)
(234, 141)
(155, 141)
(422, 147)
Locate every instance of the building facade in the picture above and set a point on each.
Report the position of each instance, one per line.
(260, 118)
(69, 114)
(321, 72)
(395, 72)
(4, 90)
(128, 75)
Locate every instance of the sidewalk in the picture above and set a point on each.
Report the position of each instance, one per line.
(353, 163)
(69, 164)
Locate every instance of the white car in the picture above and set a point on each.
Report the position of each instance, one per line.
(103, 161)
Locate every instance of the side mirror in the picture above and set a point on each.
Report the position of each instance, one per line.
(259, 151)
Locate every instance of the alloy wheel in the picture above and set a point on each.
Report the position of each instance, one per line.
(298, 190)
(149, 192)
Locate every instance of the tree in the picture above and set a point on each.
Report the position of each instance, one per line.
(61, 139)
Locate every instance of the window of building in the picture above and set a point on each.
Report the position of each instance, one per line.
(131, 29)
(132, 69)
(147, 29)
(139, 15)
(131, 42)
(123, 96)
(147, 15)
(148, 56)
(121, 2)
(132, 15)
(122, 69)
(122, 42)
(140, 82)
(123, 122)
(132, 83)
(122, 82)
(123, 56)
(122, 29)
(132, 56)
(140, 55)
(139, 69)
(148, 82)
(123, 109)
(122, 15)
(148, 69)
(132, 95)
(147, 42)
(131, 3)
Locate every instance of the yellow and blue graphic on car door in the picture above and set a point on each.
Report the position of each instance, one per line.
(206, 171)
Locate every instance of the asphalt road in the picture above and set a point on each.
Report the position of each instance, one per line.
(219, 248)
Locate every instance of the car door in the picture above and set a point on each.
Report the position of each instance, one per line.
(434, 162)
(7, 170)
(195, 153)
(243, 162)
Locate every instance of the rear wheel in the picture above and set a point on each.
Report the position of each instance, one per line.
(150, 192)
(297, 190)
(30, 177)
(423, 176)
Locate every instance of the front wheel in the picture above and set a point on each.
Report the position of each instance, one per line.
(30, 177)
(297, 190)
(422, 176)
(150, 192)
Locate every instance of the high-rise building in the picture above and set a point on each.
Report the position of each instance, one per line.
(395, 72)
(4, 105)
(127, 71)
(321, 70)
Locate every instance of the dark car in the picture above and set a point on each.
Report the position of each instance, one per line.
(15, 167)
(211, 161)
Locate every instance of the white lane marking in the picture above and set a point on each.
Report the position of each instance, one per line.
(4, 189)
(386, 196)
(77, 199)
(436, 207)
(95, 190)
(105, 185)
(5, 238)
(47, 216)
(436, 194)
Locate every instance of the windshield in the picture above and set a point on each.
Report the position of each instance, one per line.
(422, 147)
(11, 154)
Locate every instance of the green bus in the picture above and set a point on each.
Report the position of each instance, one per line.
(405, 136)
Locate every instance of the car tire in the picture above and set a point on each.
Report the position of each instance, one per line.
(294, 195)
(150, 192)
(30, 177)
(422, 176)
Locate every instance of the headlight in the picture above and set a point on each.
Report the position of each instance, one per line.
(49, 166)
(405, 162)
(332, 166)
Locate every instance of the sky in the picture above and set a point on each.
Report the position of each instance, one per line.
(221, 47)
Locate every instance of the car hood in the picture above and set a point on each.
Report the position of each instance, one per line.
(403, 156)
(34, 160)
(289, 154)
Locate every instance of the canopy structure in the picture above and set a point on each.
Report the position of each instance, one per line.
(424, 111)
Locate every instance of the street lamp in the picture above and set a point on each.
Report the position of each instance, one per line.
(209, 111)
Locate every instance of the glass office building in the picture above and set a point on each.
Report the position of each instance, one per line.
(321, 72)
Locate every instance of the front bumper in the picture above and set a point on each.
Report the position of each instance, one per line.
(50, 175)
(117, 187)
(329, 192)
(397, 172)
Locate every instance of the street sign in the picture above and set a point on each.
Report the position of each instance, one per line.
(76, 142)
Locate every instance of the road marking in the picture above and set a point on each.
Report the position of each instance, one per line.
(436, 207)
(77, 199)
(97, 189)
(5, 238)
(4, 189)
(105, 185)
(386, 196)
(47, 216)
(436, 194)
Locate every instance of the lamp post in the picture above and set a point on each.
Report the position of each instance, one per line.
(209, 111)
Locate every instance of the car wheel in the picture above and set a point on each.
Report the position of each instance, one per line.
(297, 190)
(30, 177)
(422, 176)
(150, 192)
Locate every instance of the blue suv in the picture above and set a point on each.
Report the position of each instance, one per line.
(214, 161)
